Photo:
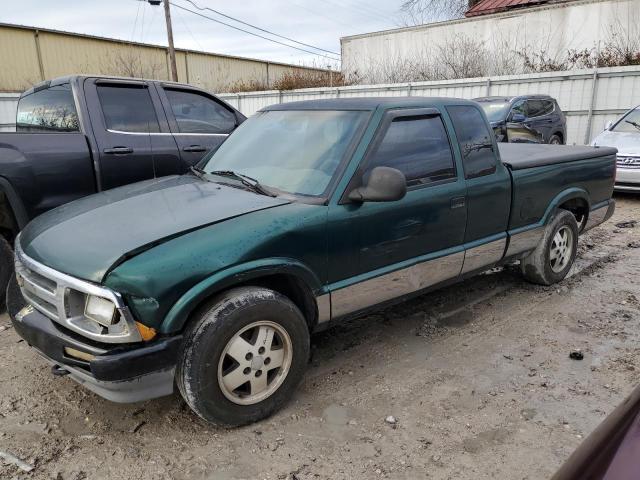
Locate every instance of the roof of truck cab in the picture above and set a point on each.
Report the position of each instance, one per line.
(71, 78)
(368, 103)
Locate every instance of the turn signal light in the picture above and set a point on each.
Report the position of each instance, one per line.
(147, 333)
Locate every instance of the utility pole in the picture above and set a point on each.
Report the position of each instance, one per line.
(172, 51)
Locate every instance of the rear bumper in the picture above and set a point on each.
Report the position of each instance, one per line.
(600, 214)
(124, 373)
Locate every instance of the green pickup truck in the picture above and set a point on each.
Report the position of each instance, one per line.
(310, 213)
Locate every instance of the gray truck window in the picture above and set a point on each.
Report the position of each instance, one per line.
(128, 108)
(478, 157)
(48, 110)
(197, 113)
(418, 147)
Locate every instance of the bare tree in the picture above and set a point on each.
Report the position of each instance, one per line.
(418, 12)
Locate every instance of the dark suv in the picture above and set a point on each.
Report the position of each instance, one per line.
(526, 119)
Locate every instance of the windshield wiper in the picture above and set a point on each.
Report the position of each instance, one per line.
(198, 172)
(637, 125)
(246, 180)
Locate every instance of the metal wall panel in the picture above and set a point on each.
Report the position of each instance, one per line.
(617, 90)
(62, 53)
(8, 105)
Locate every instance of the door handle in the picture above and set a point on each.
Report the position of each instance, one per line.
(457, 202)
(118, 150)
(194, 148)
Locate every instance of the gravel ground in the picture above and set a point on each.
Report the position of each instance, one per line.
(477, 378)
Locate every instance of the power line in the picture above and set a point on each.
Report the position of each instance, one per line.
(260, 29)
(252, 33)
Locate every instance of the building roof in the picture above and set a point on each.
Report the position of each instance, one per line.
(486, 7)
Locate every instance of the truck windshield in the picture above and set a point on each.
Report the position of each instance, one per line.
(496, 109)
(629, 123)
(293, 151)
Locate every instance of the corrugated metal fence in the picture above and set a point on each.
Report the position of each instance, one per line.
(589, 98)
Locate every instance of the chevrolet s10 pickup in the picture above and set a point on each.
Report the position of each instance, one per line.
(308, 214)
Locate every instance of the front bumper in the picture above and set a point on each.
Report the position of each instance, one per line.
(627, 179)
(120, 373)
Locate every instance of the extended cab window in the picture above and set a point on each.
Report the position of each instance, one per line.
(418, 147)
(478, 157)
(128, 108)
(48, 110)
(197, 113)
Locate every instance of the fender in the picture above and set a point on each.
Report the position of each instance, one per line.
(176, 318)
(19, 212)
(564, 196)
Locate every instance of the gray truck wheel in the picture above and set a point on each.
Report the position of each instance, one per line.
(552, 259)
(243, 356)
(6, 269)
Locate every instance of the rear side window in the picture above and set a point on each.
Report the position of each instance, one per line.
(128, 108)
(417, 146)
(49, 110)
(548, 107)
(535, 108)
(197, 113)
(476, 146)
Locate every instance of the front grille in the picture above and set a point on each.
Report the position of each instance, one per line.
(62, 298)
(628, 162)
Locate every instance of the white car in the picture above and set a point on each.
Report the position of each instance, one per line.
(624, 134)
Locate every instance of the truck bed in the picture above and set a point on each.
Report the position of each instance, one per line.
(518, 156)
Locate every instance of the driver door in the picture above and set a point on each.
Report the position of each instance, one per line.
(391, 249)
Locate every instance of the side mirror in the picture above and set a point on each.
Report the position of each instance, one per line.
(383, 184)
(608, 125)
(518, 117)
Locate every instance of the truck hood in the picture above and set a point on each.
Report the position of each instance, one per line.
(86, 238)
(627, 143)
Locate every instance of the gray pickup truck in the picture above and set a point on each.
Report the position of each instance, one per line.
(80, 135)
(309, 214)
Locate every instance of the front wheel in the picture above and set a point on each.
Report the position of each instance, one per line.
(552, 259)
(243, 356)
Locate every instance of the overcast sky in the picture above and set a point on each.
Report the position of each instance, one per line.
(320, 23)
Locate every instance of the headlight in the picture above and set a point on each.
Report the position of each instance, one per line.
(100, 310)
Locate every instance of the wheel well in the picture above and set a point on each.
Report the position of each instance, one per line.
(559, 134)
(8, 224)
(285, 284)
(580, 209)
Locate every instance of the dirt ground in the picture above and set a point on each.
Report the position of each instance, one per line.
(478, 376)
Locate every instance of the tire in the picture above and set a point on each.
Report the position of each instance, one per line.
(6, 269)
(555, 140)
(213, 359)
(552, 259)
(15, 300)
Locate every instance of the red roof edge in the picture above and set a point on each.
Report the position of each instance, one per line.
(487, 7)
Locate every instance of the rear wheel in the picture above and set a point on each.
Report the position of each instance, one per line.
(555, 140)
(6, 269)
(243, 356)
(552, 259)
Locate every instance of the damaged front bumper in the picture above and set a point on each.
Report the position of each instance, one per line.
(121, 373)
